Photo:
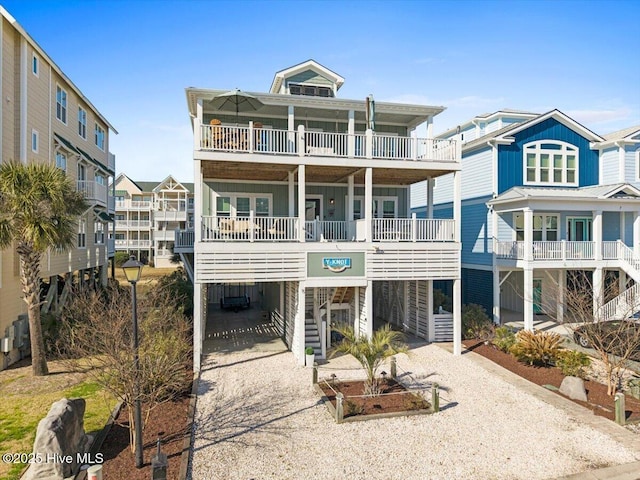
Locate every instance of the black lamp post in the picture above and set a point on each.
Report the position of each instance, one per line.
(132, 271)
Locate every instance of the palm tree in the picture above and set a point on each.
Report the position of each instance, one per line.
(370, 352)
(39, 210)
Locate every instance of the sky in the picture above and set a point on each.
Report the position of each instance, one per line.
(134, 59)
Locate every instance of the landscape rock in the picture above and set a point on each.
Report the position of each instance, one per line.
(573, 387)
(59, 438)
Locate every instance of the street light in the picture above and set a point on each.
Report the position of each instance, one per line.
(132, 271)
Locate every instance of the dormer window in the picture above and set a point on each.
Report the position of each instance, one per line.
(310, 90)
(548, 162)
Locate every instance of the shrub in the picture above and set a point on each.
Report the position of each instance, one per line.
(353, 408)
(504, 338)
(120, 258)
(309, 351)
(475, 322)
(537, 348)
(572, 363)
(415, 401)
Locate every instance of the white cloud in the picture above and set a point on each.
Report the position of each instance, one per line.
(600, 116)
(474, 101)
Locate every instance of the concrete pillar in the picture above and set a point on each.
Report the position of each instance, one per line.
(301, 202)
(368, 301)
(598, 292)
(199, 325)
(457, 317)
(528, 297)
(368, 203)
(431, 321)
(562, 285)
(496, 295)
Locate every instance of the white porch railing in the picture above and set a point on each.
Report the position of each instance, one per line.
(623, 306)
(252, 229)
(305, 143)
(327, 230)
(133, 205)
(132, 243)
(133, 223)
(413, 230)
(546, 251)
(184, 239)
(93, 190)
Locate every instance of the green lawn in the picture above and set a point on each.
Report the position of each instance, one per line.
(26, 400)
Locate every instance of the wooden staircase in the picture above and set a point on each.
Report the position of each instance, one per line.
(343, 295)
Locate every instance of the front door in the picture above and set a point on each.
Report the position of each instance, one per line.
(579, 229)
(312, 209)
(537, 296)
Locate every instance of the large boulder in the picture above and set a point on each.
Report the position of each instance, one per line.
(573, 387)
(59, 439)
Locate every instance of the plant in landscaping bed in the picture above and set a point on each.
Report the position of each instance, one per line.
(309, 351)
(572, 363)
(353, 408)
(504, 338)
(370, 352)
(415, 401)
(536, 348)
(475, 322)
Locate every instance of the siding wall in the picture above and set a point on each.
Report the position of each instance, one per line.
(611, 226)
(631, 167)
(510, 160)
(477, 287)
(291, 308)
(477, 243)
(610, 166)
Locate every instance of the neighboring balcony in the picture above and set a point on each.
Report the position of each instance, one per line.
(164, 235)
(124, 244)
(285, 229)
(133, 205)
(133, 224)
(563, 251)
(169, 215)
(94, 192)
(344, 145)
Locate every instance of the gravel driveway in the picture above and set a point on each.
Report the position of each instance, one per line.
(257, 417)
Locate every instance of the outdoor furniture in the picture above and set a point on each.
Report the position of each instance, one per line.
(217, 134)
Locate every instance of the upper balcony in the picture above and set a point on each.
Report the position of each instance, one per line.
(94, 192)
(134, 204)
(241, 139)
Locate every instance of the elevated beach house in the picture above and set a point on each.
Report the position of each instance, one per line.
(544, 199)
(302, 206)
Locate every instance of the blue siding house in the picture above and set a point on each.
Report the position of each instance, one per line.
(543, 196)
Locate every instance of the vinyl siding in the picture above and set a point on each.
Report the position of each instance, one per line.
(443, 191)
(611, 226)
(631, 167)
(610, 166)
(506, 227)
(476, 234)
(477, 287)
(510, 161)
(493, 125)
(628, 230)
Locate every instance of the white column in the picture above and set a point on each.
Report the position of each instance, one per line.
(299, 332)
(351, 130)
(598, 292)
(430, 183)
(291, 126)
(636, 234)
(198, 325)
(597, 233)
(368, 203)
(197, 123)
(430, 127)
(292, 194)
(197, 207)
(622, 281)
(350, 198)
(431, 321)
(496, 294)
(457, 317)
(328, 306)
(356, 320)
(562, 285)
(368, 305)
(283, 285)
(457, 204)
(301, 202)
(528, 298)
(528, 235)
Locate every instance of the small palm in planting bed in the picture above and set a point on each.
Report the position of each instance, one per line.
(536, 348)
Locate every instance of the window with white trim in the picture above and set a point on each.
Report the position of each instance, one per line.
(101, 179)
(550, 162)
(61, 104)
(98, 229)
(82, 233)
(82, 122)
(34, 141)
(35, 65)
(241, 204)
(61, 161)
(545, 228)
(99, 137)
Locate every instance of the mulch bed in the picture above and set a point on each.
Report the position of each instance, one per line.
(598, 400)
(167, 421)
(400, 400)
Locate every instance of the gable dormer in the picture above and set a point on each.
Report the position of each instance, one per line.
(309, 79)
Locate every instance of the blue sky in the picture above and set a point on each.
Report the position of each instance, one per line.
(133, 59)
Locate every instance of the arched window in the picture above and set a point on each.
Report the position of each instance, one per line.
(550, 162)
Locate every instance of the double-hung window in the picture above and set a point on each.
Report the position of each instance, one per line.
(82, 233)
(545, 228)
(550, 162)
(99, 137)
(61, 104)
(61, 161)
(98, 228)
(82, 122)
